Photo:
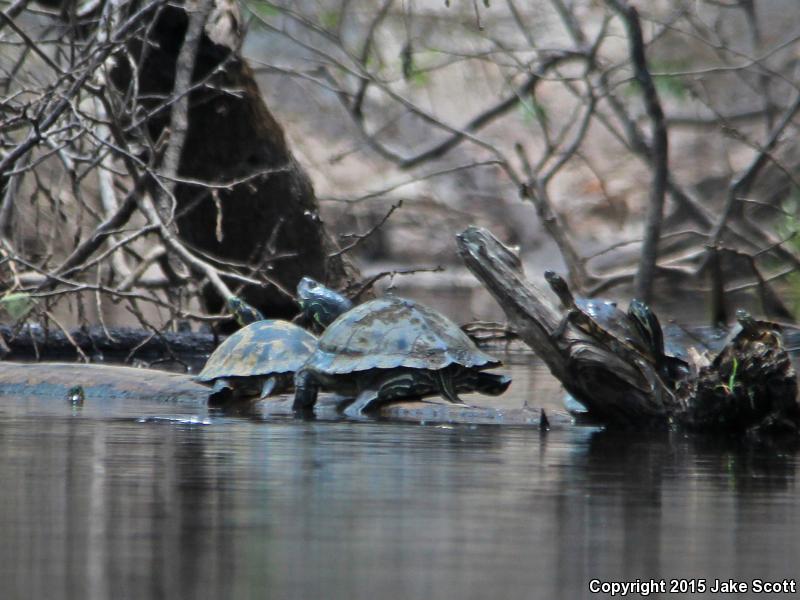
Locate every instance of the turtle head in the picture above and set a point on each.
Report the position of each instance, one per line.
(321, 304)
(746, 320)
(647, 326)
(243, 312)
(491, 384)
(560, 287)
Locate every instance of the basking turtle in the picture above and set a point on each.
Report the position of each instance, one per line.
(243, 312)
(391, 349)
(665, 356)
(756, 330)
(749, 329)
(600, 319)
(321, 304)
(259, 359)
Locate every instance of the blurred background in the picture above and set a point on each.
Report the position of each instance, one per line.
(415, 119)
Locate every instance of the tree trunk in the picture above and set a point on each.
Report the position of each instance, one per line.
(270, 219)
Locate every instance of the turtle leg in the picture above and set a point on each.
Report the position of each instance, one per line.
(361, 404)
(269, 385)
(221, 393)
(447, 387)
(562, 326)
(305, 391)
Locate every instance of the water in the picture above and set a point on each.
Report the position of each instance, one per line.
(157, 502)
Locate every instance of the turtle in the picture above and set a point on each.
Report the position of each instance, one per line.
(749, 329)
(666, 355)
(394, 348)
(243, 312)
(259, 359)
(321, 304)
(601, 319)
(757, 330)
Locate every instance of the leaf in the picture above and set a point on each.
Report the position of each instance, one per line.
(17, 305)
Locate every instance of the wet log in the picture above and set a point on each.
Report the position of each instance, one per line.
(48, 388)
(613, 390)
(100, 384)
(749, 386)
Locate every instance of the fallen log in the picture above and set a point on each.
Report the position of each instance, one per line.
(749, 386)
(119, 344)
(118, 391)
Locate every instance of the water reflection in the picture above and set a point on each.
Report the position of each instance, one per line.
(102, 506)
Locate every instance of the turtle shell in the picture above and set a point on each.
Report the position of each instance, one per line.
(613, 320)
(394, 332)
(604, 312)
(262, 348)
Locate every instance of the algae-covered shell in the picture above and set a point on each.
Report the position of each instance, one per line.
(394, 332)
(262, 348)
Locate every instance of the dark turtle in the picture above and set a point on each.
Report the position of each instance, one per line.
(600, 319)
(756, 330)
(749, 329)
(666, 357)
(243, 312)
(392, 349)
(321, 304)
(259, 359)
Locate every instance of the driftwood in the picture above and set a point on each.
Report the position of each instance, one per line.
(750, 385)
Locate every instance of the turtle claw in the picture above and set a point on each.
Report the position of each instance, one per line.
(222, 393)
(360, 405)
(268, 388)
(447, 389)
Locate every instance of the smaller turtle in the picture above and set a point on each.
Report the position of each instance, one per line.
(644, 320)
(259, 359)
(243, 312)
(600, 319)
(756, 330)
(748, 330)
(320, 303)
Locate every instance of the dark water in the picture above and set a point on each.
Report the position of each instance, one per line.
(100, 503)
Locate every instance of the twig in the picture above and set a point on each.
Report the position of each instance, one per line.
(179, 121)
(740, 186)
(69, 337)
(366, 49)
(360, 237)
(362, 287)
